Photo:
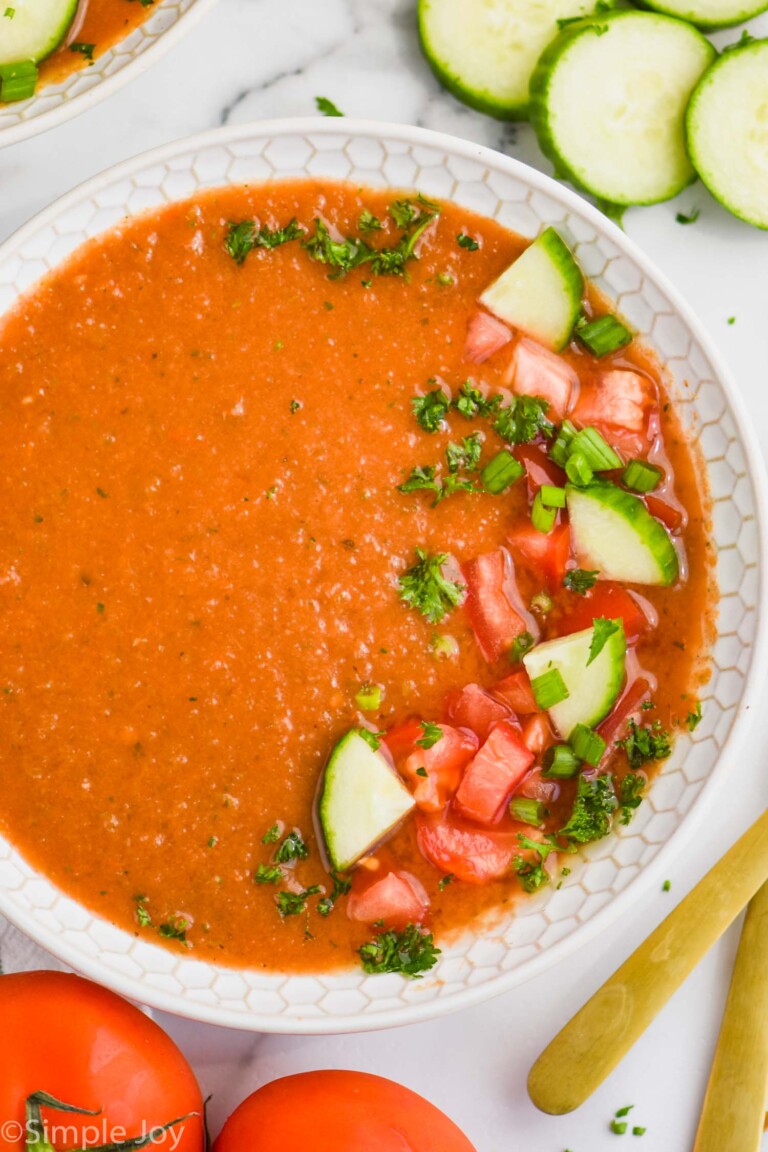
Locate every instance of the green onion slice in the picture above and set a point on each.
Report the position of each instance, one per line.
(641, 476)
(604, 335)
(595, 450)
(501, 472)
(527, 811)
(543, 518)
(587, 744)
(18, 81)
(561, 762)
(552, 497)
(549, 689)
(578, 470)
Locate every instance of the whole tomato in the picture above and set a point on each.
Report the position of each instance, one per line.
(338, 1111)
(86, 1047)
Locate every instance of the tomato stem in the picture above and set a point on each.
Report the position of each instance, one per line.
(37, 1141)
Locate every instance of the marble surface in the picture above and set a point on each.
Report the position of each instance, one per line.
(261, 58)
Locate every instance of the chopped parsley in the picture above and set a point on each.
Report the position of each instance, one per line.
(471, 402)
(86, 50)
(580, 580)
(452, 484)
(432, 733)
(243, 237)
(352, 252)
(520, 646)
(409, 952)
(602, 631)
(268, 874)
(294, 903)
(445, 881)
(372, 739)
(467, 242)
(295, 405)
(341, 887)
(326, 106)
(531, 873)
(523, 420)
(422, 771)
(272, 835)
(666, 886)
(694, 718)
(592, 810)
(174, 928)
(630, 795)
(464, 455)
(292, 848)
(422, 479)
(367, 222)
(691, 218)
(619, 1127)
(142, 913)
(425, 587)
(646, 743)
(430, 410)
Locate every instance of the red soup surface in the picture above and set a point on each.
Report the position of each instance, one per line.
(203, 431)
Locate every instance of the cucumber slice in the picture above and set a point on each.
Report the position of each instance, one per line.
(710, 14)
(35, 29)
(593, 688)
(613, 532)
(484, 53)
(608, 99)
(727, 131)
(362, 799)
(540, 293)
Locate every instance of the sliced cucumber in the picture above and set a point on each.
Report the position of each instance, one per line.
(614, 533)
(362, 799)
(727, 127)
(484, 53)
(592, 688)
(608, 99)
(35, 29)
(540, 293)
(710, 14)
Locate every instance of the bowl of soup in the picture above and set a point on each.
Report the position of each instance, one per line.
(382, 575)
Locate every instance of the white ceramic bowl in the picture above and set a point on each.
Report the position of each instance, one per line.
(55, 103)
(549, 927)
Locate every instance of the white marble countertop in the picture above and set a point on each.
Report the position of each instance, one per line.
(261, 58)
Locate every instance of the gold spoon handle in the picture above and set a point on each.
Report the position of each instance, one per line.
(734, 1107)
(591, 1044)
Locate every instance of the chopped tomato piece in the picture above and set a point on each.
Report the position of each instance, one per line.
(470, 854)
(434, 773)
(516, 691)
(546, 554)
(493, 775)
(472, 707)
(398, 899)
(608, 600)
(485, 335)
(535, 371)
(619, 400)
(537, 734)
(401, 740)
(490, 603)
(612, 728)
(539, 468)
(673, 516)
(537, 787)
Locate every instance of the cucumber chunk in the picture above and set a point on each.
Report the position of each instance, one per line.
(608, 99)
(484, 53)
(728, 131)
(613, 532)
(35, 29)
(592, 688)
(540, 293)
(710, 14)
(362, 799)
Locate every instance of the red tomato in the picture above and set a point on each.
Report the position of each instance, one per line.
(398, 899)
(442, 764)
(672, 516)
(538, 787)
(489, 604)
(338, 1111)
(516, 691)
(472, 707)
(90, 1048)
(607, 600)
(539, 468)
(485, 335)
(491, 778)
(401, 740)
(535, 371)
(618, 399)
(537, 734)
(471, 854)
(612, 728)
(546, 553)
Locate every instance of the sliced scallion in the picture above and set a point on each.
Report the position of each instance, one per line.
(595, 450)
(641, 476)
(18, 81)
(561, 762)
(587, 744)
(527, 811)
(604, 335)
(543, 518)
(501, 472)
(368, 697)
(578, 470)
(552, 497)
(549, 689)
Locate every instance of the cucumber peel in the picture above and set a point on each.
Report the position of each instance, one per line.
(613, 533)
(710, 14)
(362, 799)
(592, 687)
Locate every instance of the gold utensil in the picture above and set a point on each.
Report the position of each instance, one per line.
(593, 1042)
(733, 1116)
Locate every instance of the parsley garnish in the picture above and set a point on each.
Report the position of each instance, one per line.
(666, 886)
(272, 835)
(244, 236)
(467, 242)
(580, 580)
(142, 914)
(351, 252)
(630, 795)
(446, 880)
(693, 719)
(340, 888)
(292, 848)
(294, 903)
(86, 50)
(642, 744)
(430, 409)
(268, 874)
(531, 873)
(421, 479)
(690, 219)
(367, 222)
(520, 645)
(465, 455)
(326, 106)
(602, 631)
(471, 402)
(452, 484)
(174, 928)
(432, 733)
(592, 810)
(523, 420)
(422, 772)
(409, 952)
(426, 588)
(372, 739)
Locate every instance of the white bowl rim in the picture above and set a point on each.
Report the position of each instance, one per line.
(651, 873)
(134, 67)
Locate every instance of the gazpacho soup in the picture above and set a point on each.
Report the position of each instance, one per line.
(355, 574)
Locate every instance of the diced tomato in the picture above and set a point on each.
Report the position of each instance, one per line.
(493, 775)
(516, 691)
(671, 515)
(612, 728)
(537, 734)
(401, 740)
(539, 468)
(537, 787)
(608, 600)
(470, 854)
(442, 763)
(485, 335)
(490, 604)
(472, 707)
(398, 899)
(546, 553)
(619, 400)
(535, 371)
